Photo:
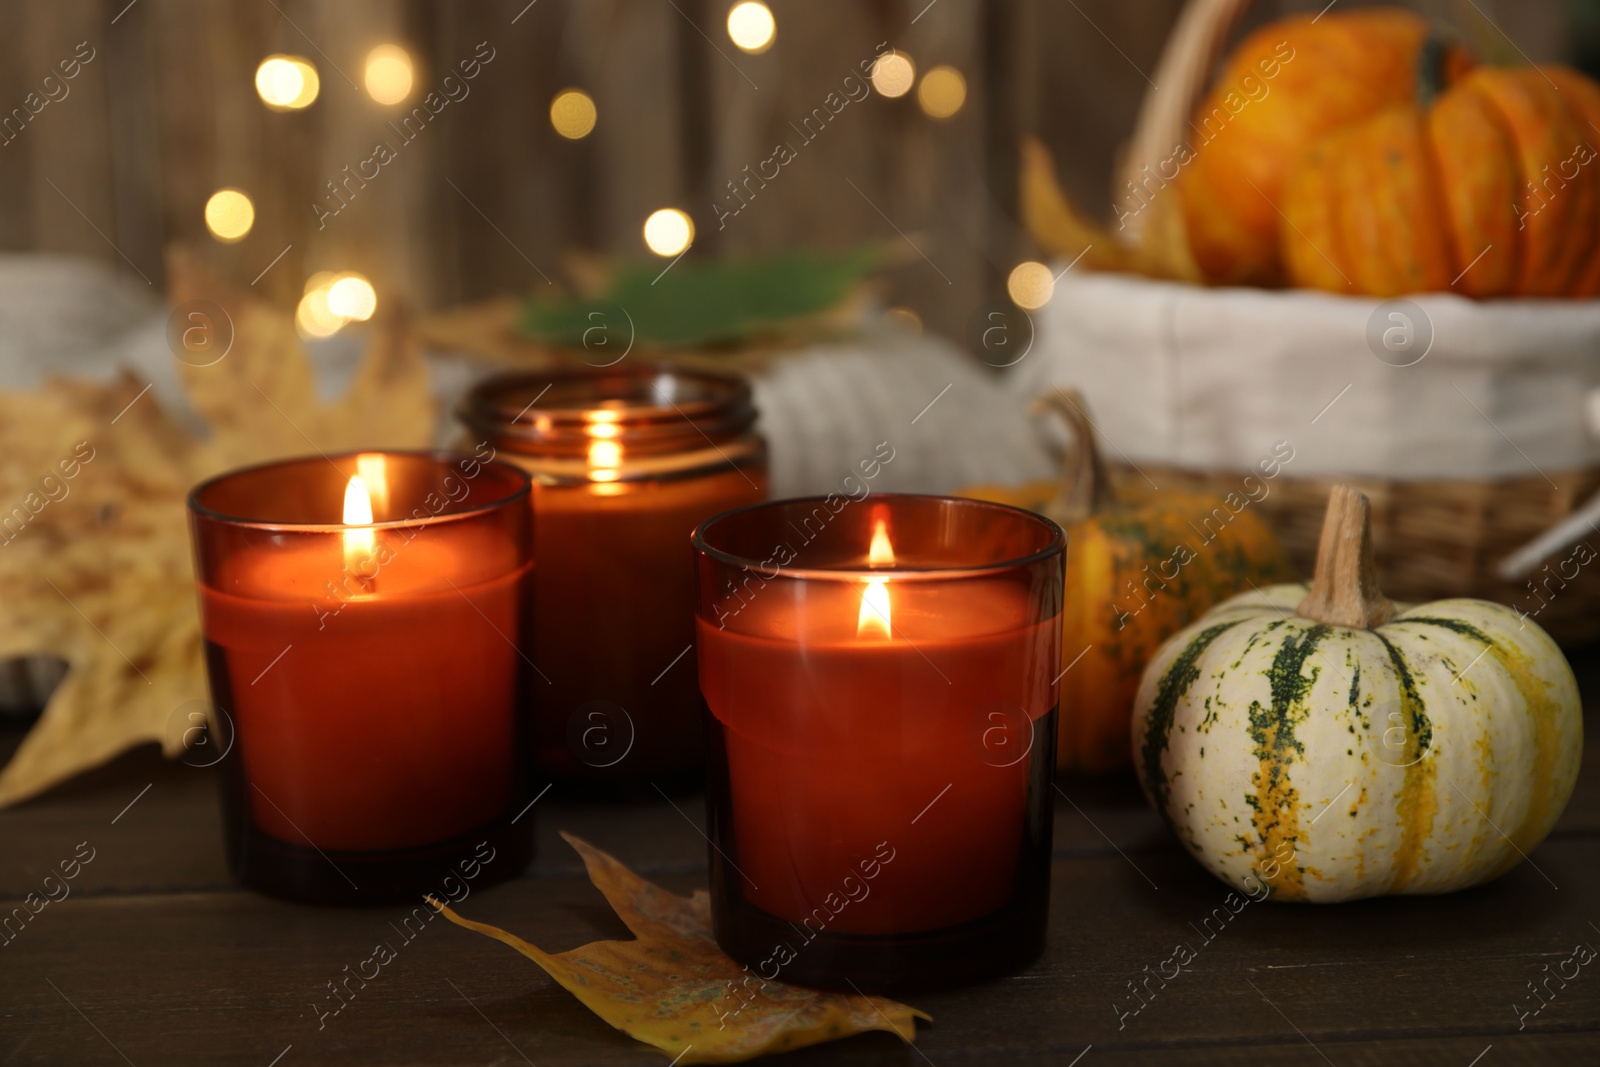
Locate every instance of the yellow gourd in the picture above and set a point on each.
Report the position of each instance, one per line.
(1141, 565)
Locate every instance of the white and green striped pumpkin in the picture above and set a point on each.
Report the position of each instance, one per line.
(1335, 746)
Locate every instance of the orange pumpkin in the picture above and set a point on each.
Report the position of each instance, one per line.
(1492, 189)
(1285, 87)
(1141, 565)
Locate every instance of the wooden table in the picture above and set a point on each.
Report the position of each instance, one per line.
(156, 958)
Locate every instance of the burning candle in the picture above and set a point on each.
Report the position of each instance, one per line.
(879, 677)
(361, 617)
(626, 462)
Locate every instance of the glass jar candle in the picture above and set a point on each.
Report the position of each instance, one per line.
(880, 684)
(626, 461)
(361, 616)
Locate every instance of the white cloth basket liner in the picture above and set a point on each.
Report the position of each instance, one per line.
(1211, 379)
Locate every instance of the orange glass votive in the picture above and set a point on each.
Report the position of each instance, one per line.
(626, 461)
(361, 616)
(880, 681)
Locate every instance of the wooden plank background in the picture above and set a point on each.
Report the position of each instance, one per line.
(488, 199)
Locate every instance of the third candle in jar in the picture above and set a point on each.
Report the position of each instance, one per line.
(626, 462)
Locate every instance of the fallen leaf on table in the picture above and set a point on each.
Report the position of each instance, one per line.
(674, 988)
(95, 566)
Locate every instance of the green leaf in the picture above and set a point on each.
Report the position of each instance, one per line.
(707, 304)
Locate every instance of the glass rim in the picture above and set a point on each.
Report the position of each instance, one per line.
(523, 490)
(893, 572)
(727, 388)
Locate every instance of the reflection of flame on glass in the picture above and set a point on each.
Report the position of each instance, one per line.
(604, 459)
(375, 473)
(605, 453)
(358, 539)
(874, 614)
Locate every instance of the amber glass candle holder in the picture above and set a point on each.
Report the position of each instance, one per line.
(879, 678)
(626, 461)
(361, 616)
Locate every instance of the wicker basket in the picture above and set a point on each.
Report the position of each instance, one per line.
(1435, 538)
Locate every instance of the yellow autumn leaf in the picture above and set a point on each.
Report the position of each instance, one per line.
(1057, 226)
(1052, 220)
(95, 565)
(674, 988)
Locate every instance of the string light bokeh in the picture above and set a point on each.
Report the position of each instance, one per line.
(352, 297)
(893, 75)
(668, 231)
(751, 26)
(331, 301)
(229, 215)
(388, 74)
(287, 83)
(1031, 285)
(942, 92)
(573, 114)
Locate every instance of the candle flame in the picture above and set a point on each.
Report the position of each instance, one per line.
(357, 503)
(358, 541)
(875, 611)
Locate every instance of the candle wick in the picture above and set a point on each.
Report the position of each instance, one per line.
(362, 569)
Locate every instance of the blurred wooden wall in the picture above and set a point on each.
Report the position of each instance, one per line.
(487, 198)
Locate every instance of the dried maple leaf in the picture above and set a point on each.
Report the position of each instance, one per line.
(99, 575)
(260, 400)
(95, 567)
(672, 986)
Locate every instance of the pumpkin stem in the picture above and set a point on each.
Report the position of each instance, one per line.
(1433, 63)
(1085, 489)
(1344, 589)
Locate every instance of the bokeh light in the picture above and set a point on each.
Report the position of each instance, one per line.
(313, 316)
(894, 74)
(1031, 285)
(229, 215)
(287, 83)
(352, 297)
(752, 27)
(942, 92)
(668, 231)
(389, 74)
(331, 300)
(573, 114)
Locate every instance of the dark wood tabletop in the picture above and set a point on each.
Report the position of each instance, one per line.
(156, 957)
